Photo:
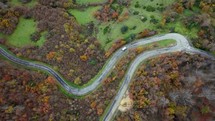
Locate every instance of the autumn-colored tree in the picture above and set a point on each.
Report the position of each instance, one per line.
(6, 77)
(93, 105)
(110, 1)
(115, 15)
(178, 8)
(139, 50)
(83, 58)
(146, 33)
(107, 12)
(107, 80)
(50, 55)
(50, 80)
(99, 111)
(163, 21)
(123, 17)
(9, 21)
(205, 7)
(114, 47)
(77, 80)
(137, 116)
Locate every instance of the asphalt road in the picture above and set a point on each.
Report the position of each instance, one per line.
(182, 45)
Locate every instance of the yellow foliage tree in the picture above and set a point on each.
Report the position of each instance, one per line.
(77, 81)
(93, 105)
(99, 111)
(83, 58)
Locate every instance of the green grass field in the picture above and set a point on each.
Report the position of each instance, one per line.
(180, 28)
(18, 3)
(21, 35)
(166, 43)
(85, 16)
(133, 21)
(89, 1)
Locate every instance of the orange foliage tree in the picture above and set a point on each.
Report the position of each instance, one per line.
(50, 55)
(50, 80)
(114, 47)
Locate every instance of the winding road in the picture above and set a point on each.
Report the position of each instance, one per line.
(182, 45)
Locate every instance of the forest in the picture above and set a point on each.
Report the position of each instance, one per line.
(170, 88)
(175, 86)
(68, 51)
(74, 50)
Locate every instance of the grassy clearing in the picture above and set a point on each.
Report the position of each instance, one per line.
(134, 22)
(18, 3)
(179, 27)
(84, 16)
(42, 39)
(89, 1)
(166, 43)
(21, 35)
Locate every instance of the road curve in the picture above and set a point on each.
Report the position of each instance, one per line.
(182, 45)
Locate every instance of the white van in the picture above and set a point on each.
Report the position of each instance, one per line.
(124, 48)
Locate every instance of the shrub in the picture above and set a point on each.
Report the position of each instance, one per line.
(92, 62)
(35, 36)
(130, 38)
(137, 5)
(136, 12)
(106, 29)
(154, 21)
(143, 19)
(150, 9)
(124, 29)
